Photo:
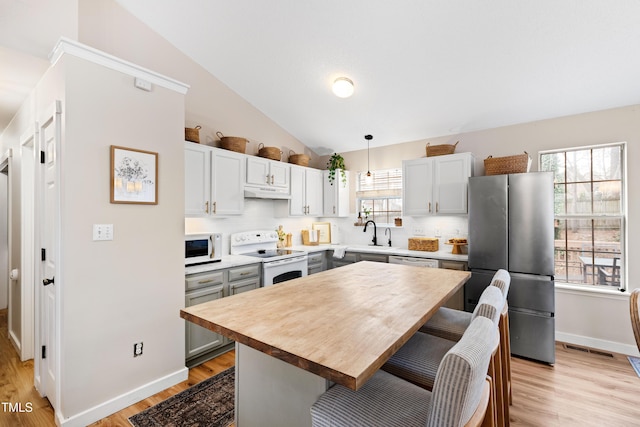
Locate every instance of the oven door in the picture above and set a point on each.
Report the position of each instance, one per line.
(283, 270)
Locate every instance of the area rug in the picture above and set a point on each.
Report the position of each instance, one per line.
(208, 403)
(635, 363)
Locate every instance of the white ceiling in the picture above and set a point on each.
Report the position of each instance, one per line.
(422, 68)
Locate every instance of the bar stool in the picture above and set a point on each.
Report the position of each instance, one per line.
(418, 360)
(451, 324)
(460, 396)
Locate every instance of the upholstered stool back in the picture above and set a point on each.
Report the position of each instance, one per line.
(462, 375)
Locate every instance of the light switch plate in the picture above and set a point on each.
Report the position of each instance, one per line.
(102, 232)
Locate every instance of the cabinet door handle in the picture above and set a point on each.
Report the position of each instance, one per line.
(215, 207)
(334, 210)
(206, 207)
(267, 179)
(429, 207)
(271, 179)
(436, 207)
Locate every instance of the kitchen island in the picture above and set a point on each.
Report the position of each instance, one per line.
(296, 338)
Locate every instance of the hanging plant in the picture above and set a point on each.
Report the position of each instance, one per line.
(336, 161)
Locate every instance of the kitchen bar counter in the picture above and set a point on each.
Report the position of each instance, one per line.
(227, 261)
(240, 260)
(339, 325)
(443, 254)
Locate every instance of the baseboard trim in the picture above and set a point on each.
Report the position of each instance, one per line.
(120, 402)
(594, 343)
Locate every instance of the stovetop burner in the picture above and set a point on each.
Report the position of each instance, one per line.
(270, 253)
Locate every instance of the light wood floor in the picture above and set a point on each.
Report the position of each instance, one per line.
(583, 388)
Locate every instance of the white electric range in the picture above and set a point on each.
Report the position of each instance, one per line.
(278, 264)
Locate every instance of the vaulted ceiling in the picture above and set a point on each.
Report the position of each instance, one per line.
(421, 68)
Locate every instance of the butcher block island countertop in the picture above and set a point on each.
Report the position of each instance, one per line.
(340, 324)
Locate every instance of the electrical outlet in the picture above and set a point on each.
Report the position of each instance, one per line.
(137, 349)
(418, 231)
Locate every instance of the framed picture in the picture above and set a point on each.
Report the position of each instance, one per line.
(325, 231)
(134, 176)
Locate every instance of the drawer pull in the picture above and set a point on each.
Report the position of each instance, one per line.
(206, 281)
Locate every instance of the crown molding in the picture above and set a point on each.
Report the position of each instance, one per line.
(71, 47)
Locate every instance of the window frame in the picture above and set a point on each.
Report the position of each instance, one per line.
(622, 215)
(383, 194)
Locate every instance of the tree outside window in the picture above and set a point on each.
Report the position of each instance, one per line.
(589, 214)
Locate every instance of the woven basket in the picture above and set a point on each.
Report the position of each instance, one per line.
(192, 134)
(440, 150)
(233, 143)
(272, 153)
(509, 164)
(298, 159)
(428, 244)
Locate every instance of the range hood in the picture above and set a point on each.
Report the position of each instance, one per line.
(251, 192)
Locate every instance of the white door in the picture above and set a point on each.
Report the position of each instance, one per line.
(417, 187)
(258, 171)
(313, 181)
(49, 282)
(228, 183)
(197, 179)
(280, 174)
(451, 176)
(297, 204)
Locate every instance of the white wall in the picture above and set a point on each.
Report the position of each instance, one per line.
(113, 293)
(105, 25)
(587, 318)
(131, 289)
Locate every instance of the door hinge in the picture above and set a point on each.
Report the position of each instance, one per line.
(44, 351)
(43, 254)
(42, 157)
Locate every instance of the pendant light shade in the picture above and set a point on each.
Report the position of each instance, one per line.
(342, 87)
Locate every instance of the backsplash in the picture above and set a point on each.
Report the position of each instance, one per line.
(260, 214)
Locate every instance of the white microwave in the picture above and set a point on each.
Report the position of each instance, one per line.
(202, 248)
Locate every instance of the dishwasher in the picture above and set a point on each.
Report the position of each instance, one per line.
(457, 300)
(418, 262)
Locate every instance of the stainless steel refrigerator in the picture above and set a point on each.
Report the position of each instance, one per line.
(511, 227)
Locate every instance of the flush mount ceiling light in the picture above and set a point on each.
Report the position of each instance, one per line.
(342, 87)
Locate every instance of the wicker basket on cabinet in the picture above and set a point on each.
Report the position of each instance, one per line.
(440, 150)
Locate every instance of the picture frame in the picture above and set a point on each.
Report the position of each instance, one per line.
(134, 176)
(325, 231)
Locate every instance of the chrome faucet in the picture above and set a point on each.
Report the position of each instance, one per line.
(385, 233)
(375, 238)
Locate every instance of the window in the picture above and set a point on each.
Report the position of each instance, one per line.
(589, 214)
(380, 197)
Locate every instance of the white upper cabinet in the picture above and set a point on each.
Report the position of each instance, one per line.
(306, 192)
(436, 185)
(228, 182)
(214, 181)
(261, 171)
(197, 179)
(336, 195)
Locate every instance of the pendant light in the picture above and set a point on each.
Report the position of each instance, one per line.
(368, 179)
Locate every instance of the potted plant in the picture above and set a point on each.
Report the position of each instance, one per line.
(336, 161)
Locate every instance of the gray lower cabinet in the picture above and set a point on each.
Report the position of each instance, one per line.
(457, 300)
(348, 258)
(200, 340)
(317, 262)
(351, 257)
(202, 344)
